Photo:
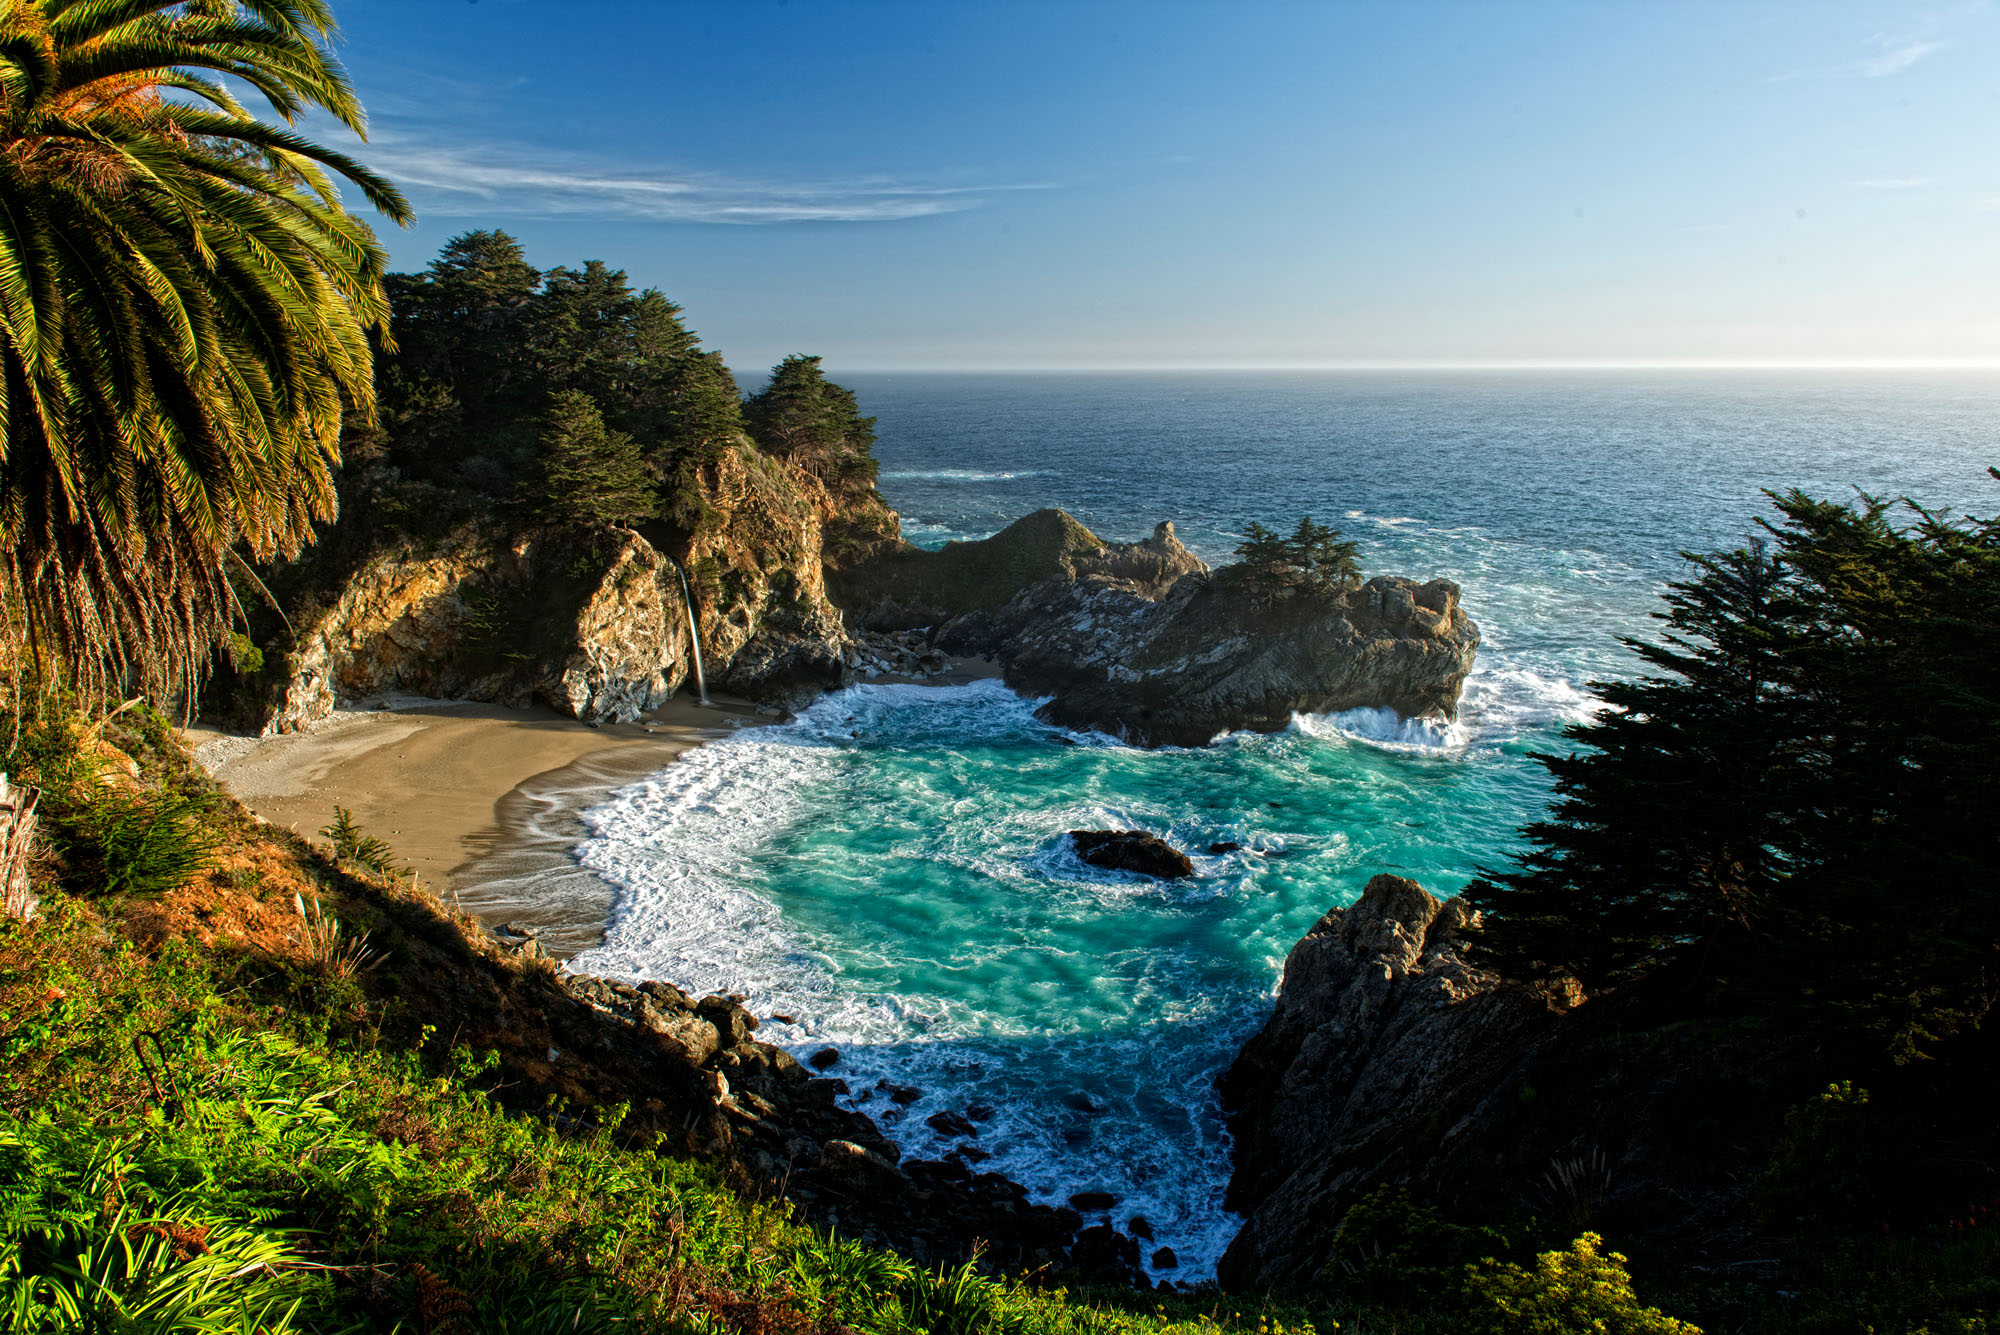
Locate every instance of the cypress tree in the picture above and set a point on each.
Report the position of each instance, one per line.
(590, 474)
(1791, 814)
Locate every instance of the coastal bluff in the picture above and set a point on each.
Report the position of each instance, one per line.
(1380, 1052)
(1144, 641)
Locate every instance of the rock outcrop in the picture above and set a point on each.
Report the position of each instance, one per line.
(1142, 640)
(792, 1130)
(591, 623)
(1381, 1050)
(1133, 851)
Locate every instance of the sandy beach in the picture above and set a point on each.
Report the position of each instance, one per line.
(479, 800)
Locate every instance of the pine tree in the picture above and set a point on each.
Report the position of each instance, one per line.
(1312, 560)
(1791, 814)
(589, 474)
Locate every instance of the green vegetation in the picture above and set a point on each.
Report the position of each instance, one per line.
(1578, 1289)
(1821, 722)
(494, 358)
(806, 418)
(590, 474)
(184, 307)
(1313, 560)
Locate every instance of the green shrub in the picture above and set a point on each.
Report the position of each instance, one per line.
(1824, 1169)
(141, 844)
(354, 848)
(244, 655)
(1388, 1249)
(1581, 1291)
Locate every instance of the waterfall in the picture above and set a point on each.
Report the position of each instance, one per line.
(694, 634)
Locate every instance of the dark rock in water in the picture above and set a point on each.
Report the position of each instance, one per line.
(1092, 1200)
(1103, 1255)
(1131, 850)
(824, 1059)
(1224, 847)
(1164, 1259)
(979, 1112)
(1139, 1228)
(899, 1094)
(950, 1124)
(969, 1154)
(784, 1019)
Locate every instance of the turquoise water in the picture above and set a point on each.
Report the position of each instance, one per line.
(890, 870)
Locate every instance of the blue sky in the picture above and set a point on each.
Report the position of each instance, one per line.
(1013, 184)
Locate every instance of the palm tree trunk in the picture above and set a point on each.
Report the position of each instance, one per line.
(17, 840)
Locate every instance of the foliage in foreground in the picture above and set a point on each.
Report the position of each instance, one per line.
(219, 1139)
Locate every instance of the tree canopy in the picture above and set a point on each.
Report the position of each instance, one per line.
(806, 418)
(1792, 810)
(1314, 559)
(487, 346)
(184, 307)
(590, 474)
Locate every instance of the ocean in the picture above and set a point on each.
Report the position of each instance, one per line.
(889, 868)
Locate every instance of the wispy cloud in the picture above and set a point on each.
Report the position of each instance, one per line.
(1889, 54)
(1895, 182)
(1990, 204)
(502, 179)
(1896, 57)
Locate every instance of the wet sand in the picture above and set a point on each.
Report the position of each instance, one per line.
(448, 785)
(480, 800)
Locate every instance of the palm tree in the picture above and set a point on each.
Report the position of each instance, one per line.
(185, 309)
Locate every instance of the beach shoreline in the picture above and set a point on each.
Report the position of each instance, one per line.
(482, 801)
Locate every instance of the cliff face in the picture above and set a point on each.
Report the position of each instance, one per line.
(592, 624)
(1382, 1051)
(1143, 640)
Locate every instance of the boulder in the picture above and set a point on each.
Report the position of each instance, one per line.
(1131, 850)
(950, 1124)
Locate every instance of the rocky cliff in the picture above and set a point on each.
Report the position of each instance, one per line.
(1385, 1048)
(1144, 641)
(591, 623)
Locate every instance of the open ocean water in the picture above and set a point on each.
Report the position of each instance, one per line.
(890, 868)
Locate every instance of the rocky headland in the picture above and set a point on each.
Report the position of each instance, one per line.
(1141, 640)
(1144, 641)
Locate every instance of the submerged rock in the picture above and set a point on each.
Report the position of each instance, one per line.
(1131, 850)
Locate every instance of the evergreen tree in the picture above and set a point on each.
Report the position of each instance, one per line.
(589, 474)
(1791, 813)
(806, 418)
(1312, 560)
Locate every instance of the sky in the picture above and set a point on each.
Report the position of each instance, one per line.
(1078, 185)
